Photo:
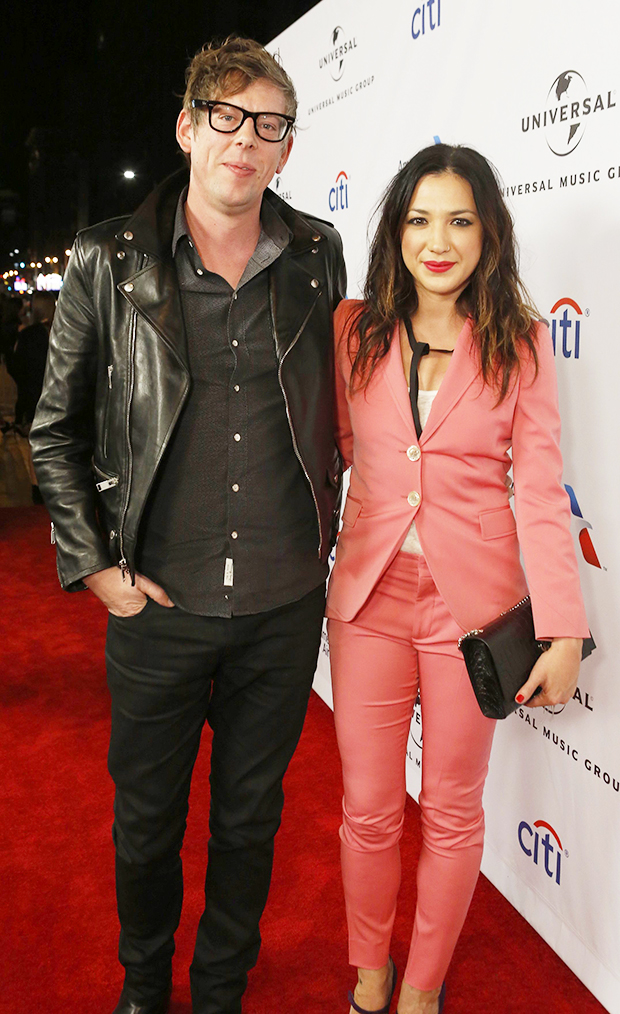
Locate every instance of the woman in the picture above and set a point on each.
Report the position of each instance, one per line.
(430, 548)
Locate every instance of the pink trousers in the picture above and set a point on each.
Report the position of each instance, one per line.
(403, 641)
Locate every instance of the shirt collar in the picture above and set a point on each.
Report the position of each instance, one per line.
(273, 228)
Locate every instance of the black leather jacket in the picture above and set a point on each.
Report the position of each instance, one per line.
(117, 377)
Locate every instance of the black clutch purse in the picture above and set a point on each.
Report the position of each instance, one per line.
(500, 658)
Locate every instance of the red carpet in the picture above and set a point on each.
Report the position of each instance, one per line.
(57, 905)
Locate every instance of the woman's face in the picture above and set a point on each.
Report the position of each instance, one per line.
(442, 237)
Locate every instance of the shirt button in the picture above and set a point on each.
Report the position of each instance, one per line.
(234, 295)
(413, 499)
(234, 535)
(190, 243)
(199, 271)
(236, 387)
(237, 437)
(413, 453)
(121, 255)
(235, 487)
(235, 342)
(315, 283)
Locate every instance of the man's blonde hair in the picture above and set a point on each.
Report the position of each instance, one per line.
(223, 69)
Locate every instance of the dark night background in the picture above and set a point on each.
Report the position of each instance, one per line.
(90, 89)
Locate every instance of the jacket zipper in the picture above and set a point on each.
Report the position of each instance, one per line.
(288, 412)
(107, 412)
(122, 563)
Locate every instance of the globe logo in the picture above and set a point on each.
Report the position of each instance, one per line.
(565, 126)
(337, 67)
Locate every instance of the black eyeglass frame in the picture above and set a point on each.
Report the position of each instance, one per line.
(208, 104)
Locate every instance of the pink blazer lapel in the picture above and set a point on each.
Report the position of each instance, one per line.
(395, 379)
(460, 375)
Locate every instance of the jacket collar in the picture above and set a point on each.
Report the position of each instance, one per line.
(154, 291)
(150, 229)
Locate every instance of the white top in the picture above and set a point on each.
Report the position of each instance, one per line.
(425, 403)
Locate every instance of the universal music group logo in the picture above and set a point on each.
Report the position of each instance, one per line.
(337, 59)
(335, 56)
(569, 106)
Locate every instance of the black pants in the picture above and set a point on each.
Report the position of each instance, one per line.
(250, 678)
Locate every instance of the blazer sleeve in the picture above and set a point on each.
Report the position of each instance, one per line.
(342, 422)
(542, 505)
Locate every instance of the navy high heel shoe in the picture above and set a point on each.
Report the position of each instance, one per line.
(384, 1010)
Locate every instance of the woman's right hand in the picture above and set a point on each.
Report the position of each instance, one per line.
(556, 672)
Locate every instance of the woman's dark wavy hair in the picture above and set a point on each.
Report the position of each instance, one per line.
(501, 308)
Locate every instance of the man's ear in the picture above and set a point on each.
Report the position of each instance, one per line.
(185, 132)
(286, 151)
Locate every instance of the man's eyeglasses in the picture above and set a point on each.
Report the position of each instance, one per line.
(227, 118)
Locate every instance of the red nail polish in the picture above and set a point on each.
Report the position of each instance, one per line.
(519, 698)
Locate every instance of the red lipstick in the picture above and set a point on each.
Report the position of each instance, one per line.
(439, 266)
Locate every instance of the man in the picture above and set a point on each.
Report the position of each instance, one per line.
(185, 435)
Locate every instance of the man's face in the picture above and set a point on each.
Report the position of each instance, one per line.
(229, 172)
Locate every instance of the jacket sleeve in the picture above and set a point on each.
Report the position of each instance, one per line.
(340, 292)
(342, 423)
(62, 434)
(542, 505)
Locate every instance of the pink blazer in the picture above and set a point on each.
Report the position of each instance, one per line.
(453, 482)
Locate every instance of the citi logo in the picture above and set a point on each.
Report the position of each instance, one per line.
(339, 193)
(584, 528)
(566, 327)
(336, 55)
(567, 107)
(425, 19)
(537, 845)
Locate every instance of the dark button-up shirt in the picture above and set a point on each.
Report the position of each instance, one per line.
(231, 525)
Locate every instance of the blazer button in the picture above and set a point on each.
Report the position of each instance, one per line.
(413, 499)
(413, 453)
(315, 283)
(128, 235)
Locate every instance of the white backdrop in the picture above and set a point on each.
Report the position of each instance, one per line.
(533, 87)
